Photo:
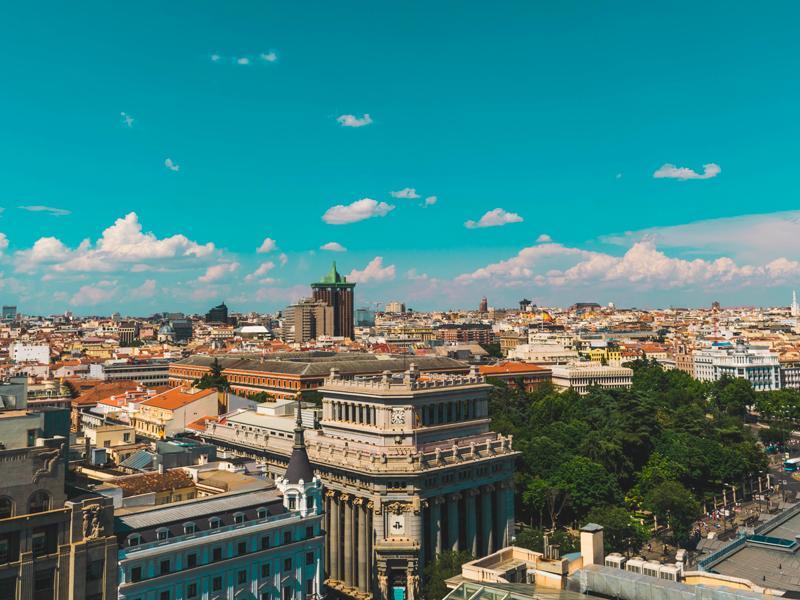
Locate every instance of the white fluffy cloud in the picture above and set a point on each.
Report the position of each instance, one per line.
(91, 295)
(359, 210)
(3, 243)
(494, 218)
(127, 120)
(268, 245)
(354, 121)
(750, 238)
(409, 193)
(217, 272)
(268, 56)
(172, 165)
(146, 290)
(431, 200)
(261, 271)
(374, 271)
(56, 212)
(641, 267)
(544, 238)
(283, 258)
(121, 243)
(669, 171)
(333, 247)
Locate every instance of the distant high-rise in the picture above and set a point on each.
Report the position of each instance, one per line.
(334, 291)
(9, 313)
(795, 305)
(395, 307)
(218, 314)
(307, 320)
(484, 305)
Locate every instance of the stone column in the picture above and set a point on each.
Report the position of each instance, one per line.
(334, 537)
(471, 522)
(501, 519)
(510, 524)
(25, 581)
(370, 525)
(362, 511)
(452, 522)
(486, 519)
(348, 539)
(436, 526)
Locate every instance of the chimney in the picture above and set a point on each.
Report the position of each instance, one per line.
(592, 549)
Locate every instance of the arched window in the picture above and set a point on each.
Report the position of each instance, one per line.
(261, 513)
(134, 539)
(162, 533)
(238, 517)
(39, 502)
(6, 508)
(214, 522)
(189, 527)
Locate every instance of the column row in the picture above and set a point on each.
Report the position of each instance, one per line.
(479, 521)
(348, 548)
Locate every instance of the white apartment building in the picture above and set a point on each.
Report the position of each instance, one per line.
(550, 354)
(581, 376)
(757, 365)
(34, 353)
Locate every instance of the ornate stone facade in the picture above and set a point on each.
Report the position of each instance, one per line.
(410, 468)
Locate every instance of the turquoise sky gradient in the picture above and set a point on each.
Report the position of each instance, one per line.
(558, 112)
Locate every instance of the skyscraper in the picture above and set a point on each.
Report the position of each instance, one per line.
(484, 305)
(795, 305)
(334, 291)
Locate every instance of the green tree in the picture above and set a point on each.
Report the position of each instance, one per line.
(214, 378)
(444, 566)
(672, 503)
(587, 484)
(533, 539)
(621, 532)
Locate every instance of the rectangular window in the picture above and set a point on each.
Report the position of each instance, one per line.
(217, 554)
(287, 593)
(309, 587)
(31, 438)
(94, 570)
(265, 570)
(309, 532)
(265, 542)
(164, 595)
(216, 584)
(163, 567)
(309, 558)
(242, 548)
(136, 574)
(44, 584)
(191, 561)
(287, 564)
(126, 437)
(287, 537)
(241, 577)
(191, 590)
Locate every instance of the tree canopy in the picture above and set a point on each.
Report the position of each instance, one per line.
(663, 446)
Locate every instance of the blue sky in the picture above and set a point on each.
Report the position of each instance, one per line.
(549, 127)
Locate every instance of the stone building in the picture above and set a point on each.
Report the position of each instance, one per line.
(51, 546)
(410, 468)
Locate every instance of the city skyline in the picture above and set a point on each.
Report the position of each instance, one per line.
(563, 153)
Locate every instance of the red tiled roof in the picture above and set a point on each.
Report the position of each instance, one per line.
(511, 367)
(177, 397)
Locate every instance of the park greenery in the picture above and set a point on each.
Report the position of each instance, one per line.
(620, 457)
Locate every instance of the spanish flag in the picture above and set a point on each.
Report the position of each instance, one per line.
(546, 316)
